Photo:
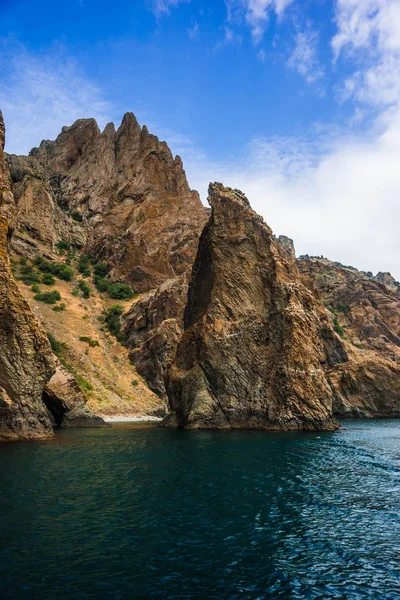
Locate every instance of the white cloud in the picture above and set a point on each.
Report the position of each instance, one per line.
(160, 7)
(41, 93)
(193, 31)
(256, 13)
(261, 55)
(337, 196)
(304, 58)
(369, 35)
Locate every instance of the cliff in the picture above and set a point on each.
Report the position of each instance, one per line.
(255, 340)
(365, 311)
(27, 364)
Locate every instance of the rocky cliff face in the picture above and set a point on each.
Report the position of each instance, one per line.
(26, 361)
(27, 364)
(122, 198)
(119, 194)
(365, 311)
(154, 326)
(256, 340)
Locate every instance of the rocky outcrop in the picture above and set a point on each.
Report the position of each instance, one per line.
(27, 364)
(388, 281)
(137, 212)
(154, 326)
(253, 352)
(36, 211)
(26, 361)
(366, 386)
(66, 402)
(366, 313)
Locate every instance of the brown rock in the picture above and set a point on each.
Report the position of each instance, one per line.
(252, 352)
(367, 313)
(154, 326)
(140, 216)
(67, 403)
(26, 361)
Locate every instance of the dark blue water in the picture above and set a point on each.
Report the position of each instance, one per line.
(129, 513)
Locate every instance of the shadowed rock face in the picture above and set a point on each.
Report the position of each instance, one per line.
(255, 338)
(26, 361)
(368, 311)
(154, 326)
(138, 213)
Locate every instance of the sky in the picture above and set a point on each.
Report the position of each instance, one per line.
(295, 102)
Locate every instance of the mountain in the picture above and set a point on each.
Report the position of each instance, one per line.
(119, 195)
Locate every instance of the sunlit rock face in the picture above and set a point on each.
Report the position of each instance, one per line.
(120, 195)
(256, 340)
(366, 312)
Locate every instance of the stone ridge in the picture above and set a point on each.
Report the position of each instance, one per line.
(255, 338)
(138, 213)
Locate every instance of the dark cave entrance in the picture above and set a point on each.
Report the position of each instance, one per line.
(54, 406)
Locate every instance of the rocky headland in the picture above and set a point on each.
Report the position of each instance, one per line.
(121, 294)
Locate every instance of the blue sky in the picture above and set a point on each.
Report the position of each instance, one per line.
(294, 101)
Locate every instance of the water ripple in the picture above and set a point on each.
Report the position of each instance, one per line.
(132, 513)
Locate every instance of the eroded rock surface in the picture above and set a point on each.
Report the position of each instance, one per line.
(253, 353)
(366, 312)
(154, 326)
(66, 402)
(26, 361)
(119, 194)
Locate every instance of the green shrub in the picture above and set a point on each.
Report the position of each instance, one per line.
(100, 270)
(120, 291)
(113, 322)
(48, 297)
(92, 343)
(22, 260)
(75, 291)
(135, 382)
(84, 265)
(60, 270)
(101, 284)
(29, 275)
(76, 216)
(342, 308)
(48, 279)
(35, 288)
(337, 327)
(63, 245)
(85, 289)
(63, 271)
(59, 307)
(83, 383)
(56, 346)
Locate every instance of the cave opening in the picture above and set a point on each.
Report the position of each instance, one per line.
(54, 406)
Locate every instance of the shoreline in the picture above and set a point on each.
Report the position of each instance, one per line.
(136, 419)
